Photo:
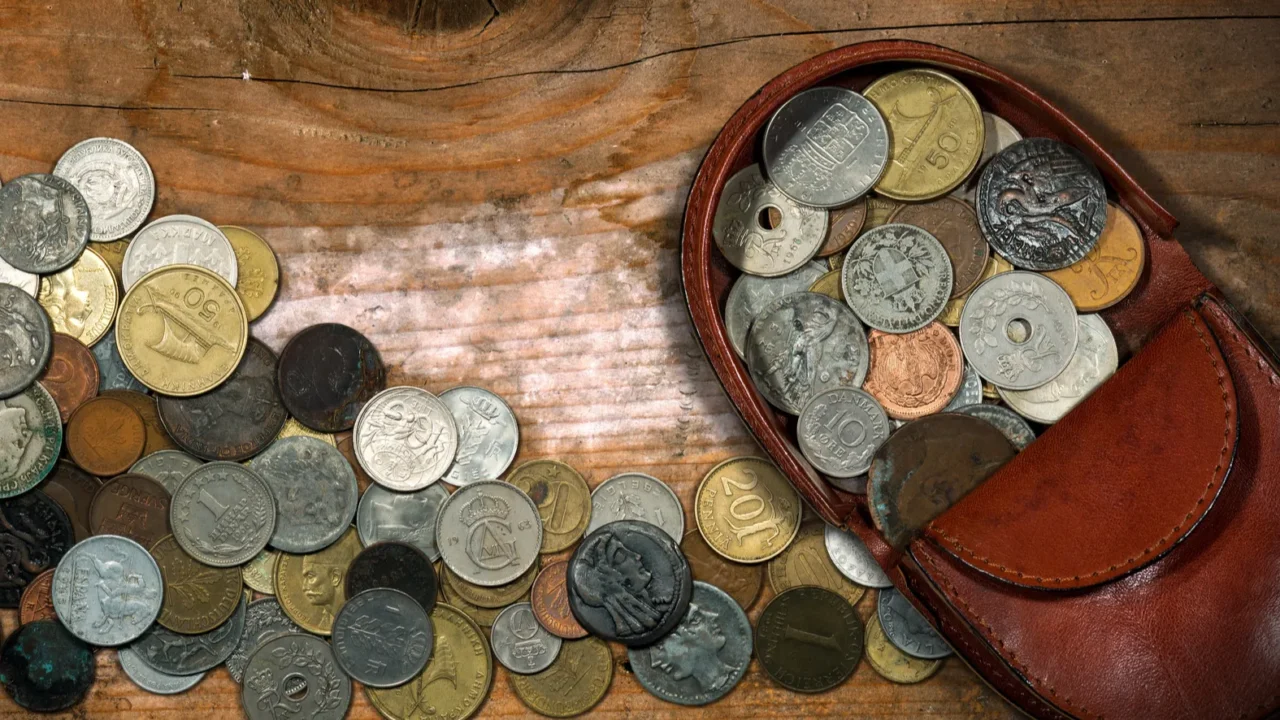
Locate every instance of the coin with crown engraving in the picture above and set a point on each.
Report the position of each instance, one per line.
(761, 231)
(282, 668)
(520, 643)
(407, 517)
(906, 627)
(223, 514)
(751, 293)
(488, 435)
(26, 340)
(489, 533)
(179, 240)
(44, 223)
(897, 278)
(315, 492)
(1019, 330)
(405, 438)
(382, 637)
(636, 496)
(116, 182)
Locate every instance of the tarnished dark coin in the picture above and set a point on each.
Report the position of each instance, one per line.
(907, 629)
(843, 227)
(26, 340)
(168, 652)
(327, 373)
(34, 534)
(396, 565)
(809, 639)
(44, 223)
(926, 467)
(550, 600)
(741, 581)
(73, 489)
(1006, 421)
(44, 668)
(157, 438)
(71, 376)
(629, 582)
(132, 506)
(955, 225)
(314, 489)
(237, 419)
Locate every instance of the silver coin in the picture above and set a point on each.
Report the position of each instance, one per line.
(803, 344)
(839, 431)
(152, 680)
(1041, 204)
(998, 134)
(28, 283)
(297, 673)
(315, 492)
(970, 392)
(26, 340)
(179, 240)
(758, 241)
(112, 374)
(382, 638)
(107, 590)
(167, 467)
(907, 629)
(826, 146)
(751, 293)
(223, 514)
(405, 438)
(1018, 330)
(1005, 420)
(488, 435)
(856, 485)
(116, 182)
(489, 533)
(30, 439)
(170, 653)
(636, 496)
(264, 619)
(704, 657)
(1094, 360)
(897, 278)
(522, 645)
(44, 223)
(405, 517)
(852, 558)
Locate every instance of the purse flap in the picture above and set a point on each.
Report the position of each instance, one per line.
(1117, 482)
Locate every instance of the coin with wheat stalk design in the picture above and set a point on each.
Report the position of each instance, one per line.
(197, 598)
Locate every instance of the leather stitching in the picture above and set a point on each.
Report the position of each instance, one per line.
(1160, 545)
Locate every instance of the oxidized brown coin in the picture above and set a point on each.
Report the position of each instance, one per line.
(843, 227)
(955, 225)
(71, 376)
(145, 405)
(550, 600)
(878, 211)
(1109, 272)
(809, 639)
(916, 373)
(37, 599)
(807, 562)
(926, 467)
(197, 598)
(105, 436)
(73, 489)
(498, 596)
(346, 446)
(134, 506)
(742, 582)
(327, 373)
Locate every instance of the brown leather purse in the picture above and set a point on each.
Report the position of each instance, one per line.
(1127, 563)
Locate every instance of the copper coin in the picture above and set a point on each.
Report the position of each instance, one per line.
(550, 600)
(916, 373)
(145, 405)
(742, 582)
(71, 376)
(105, 436)
(926, 467)
(134, 506)
(1108, 272)
(843, 228)
(955, 225)
(73, 489)
(346, 446)
(37, 599)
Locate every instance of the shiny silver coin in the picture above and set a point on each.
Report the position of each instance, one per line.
(315, 492)
(179, 240)
(763, 232)
(382, 638)
(803, 344)
(852, 558)
(1018, 330)
(297, 672)
(28, 283)
(1005, 420)
(405, 438)
(489, 533)
(116, 182)
(636, 496)
(264, 619)
(839, 431)
(112, 373)
(1096, 359)
(405, 517)
(167, 467)
(1041, 204)
(826, 147)
(44, 223)
(970, 392)
(223, 514)
(520, 643)
(907, 629)
(999, 134)
(751, 293)
(704, 657)
(107, 590)
(897, 278)
(152, 680)
(856, 485)
(170, 653)
(488, 435)
(26, 340)
(31, 429)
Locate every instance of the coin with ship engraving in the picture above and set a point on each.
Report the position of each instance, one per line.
(133, 506)
(406, 438)
(113, 375)
(809, 639)
(1008, 422)
(263, 620)
(916, 373)
(407, 517)
(116, 182)
(489, 533)
(563, 498)
(32, 432)
(81, 299)
(954, 224)
(44, 223)
(258, 278)
(970, 392)
(43, 668)
(1019, 330)
(455, 682)
(549, 600)
(751, 293)
(747, 510)
(906, 627)
(223, 514)
(761, 231)
(998, 135)
(843, 227)
(637, 496)
(197, 598)
(897, 278)
(1095, 359)
(299, 670)
(107, 590)
(396, 565)
(179, 240)
(314, 489)
(311, 588)
(852, 558)
(167, 467)
(840, 429)
(806, 562)
(168, 652)
(894, 665)
(1111, 270)
(26, 340)
(35, 532)
(743, 582)
(152, 680)
(28, 283)
(327, 374)
(519, 643)
(382, 638)
(36, 602)
(71, 376)
(488, 435)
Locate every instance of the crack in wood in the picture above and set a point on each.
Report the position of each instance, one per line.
(1242, 123)
(122, 108)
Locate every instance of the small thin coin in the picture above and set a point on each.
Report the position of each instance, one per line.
(852, 558)
(489, 533)
(116, 182)
(26, 342)
(179, 240)
(314, 489)
(223, 514)
(81, 300)
(167, 467)
(955, 225)
(28, 283)
(840, 429)
(829, 285)
(396, 565)
(73, 489)
(72, 375)
(111, 370)
(1019, 330)
(549, 599)
(906, 627)
(44, 223)
(970, 392)
(897, 278)
(310, 588)
(1096, 359)
(751, 293)
(133, 506)
(455, 682)
(260, 572)
(264, 619)
(488, 435)
(152, 680)
(105, 436)
(519, 643)
(382, 638)
(282, 667)
(107, 590)
(914, 374)
(761, 231)
(384, 515)
(44, 668)
(809, 639)
(1111, 270)
(173, 654)
(406, 438)
(37, 599)
(563, 498)
(636, 496)
(726, 506)
(843, 227)
(856, 485)
(327, 374)
(35, 533)
(145, 406)
(806, 562)
(951, 313)
(742, 581)
(575, 682)
(33, 429)
(893, 664)
(258, 279)
(197, 598)
(492, 597)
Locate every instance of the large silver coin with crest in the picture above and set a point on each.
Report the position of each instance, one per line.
(28, 283)
(264, 619)
(852, 558)
(762, 231)
(839, 431)
(179, 240)
(907, 629)
(1008, 422)
(107, 590)
(826, 146)
(1019, 330)
(751, 293)
(167, 467)
(170, 653)
(223, 514)
(26, 340)
(1095, 360)
(489, 533)
(488, 435)
(44, 223)
(636, 496)
(152, 680)
(382, 637)
(1042, 204)
(315, 490)
(802, 344)
(405, 438)
(520, 643)
(30, 439)
(897, 278)
(116, 182)
(405, 517)
(297, 672)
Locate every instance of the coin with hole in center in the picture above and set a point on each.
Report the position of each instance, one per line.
(761, 231)
(300, 669)
(1095, 359)
(1019, 330)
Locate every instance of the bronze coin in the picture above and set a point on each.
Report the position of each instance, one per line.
(105, 436)
(145, 405)
(914, 374)
(134, 506)
(550, 600)
(197, 598)
(37, 599)
(73, 489)
(809, 639)
(742, 582)
(927, 466)
(955, 225)
(71, 376)
(35, 533)
(347, 447)
(843, 227)
(327, 373)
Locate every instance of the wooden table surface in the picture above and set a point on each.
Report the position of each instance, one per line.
(493, 190)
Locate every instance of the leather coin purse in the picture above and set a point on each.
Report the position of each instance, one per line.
(1127, 563)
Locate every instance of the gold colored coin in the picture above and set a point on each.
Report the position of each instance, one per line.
(293, 428)
(563, 499)
(893, 664)
(456, 681)
(81, 300)
(996, 265)
(310, 587)
(936, 133)
(259, 278)
(990, 391)
(182, 330)
(197, 598)
(573, 684)
(482, 616)
(746, 510)
(1111, 270)
(806, 562)
(829, 285)
(498, 596)
(260, 572)
(113, 253)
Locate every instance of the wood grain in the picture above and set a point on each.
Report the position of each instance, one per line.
(495, 197)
